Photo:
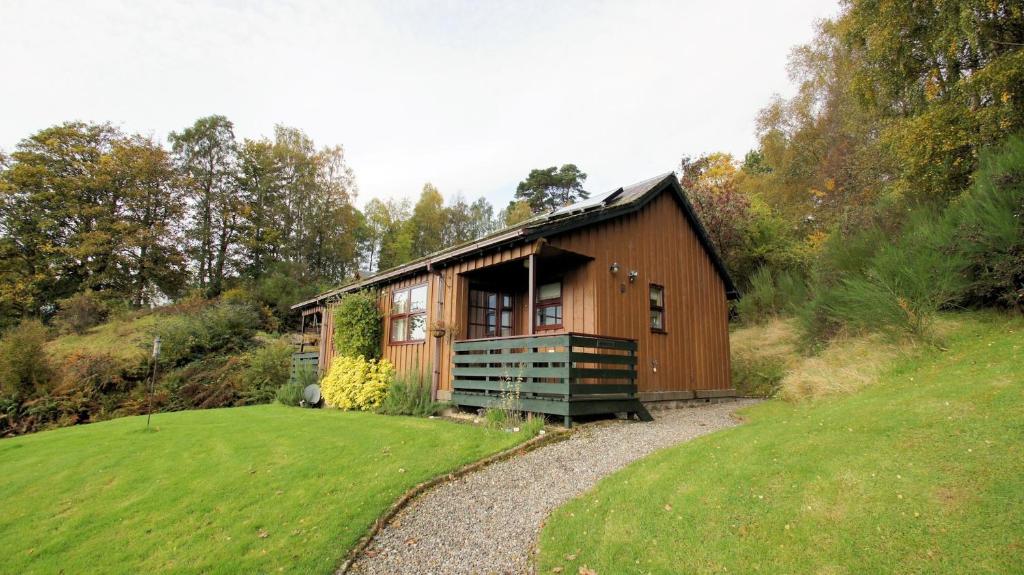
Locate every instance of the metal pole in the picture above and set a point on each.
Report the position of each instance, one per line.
(152, 380)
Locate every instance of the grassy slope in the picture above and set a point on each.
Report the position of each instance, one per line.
(920, 473)
(197, 495)
(127, 339)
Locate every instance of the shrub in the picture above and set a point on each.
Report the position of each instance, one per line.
(356, 383)
(94, 373)
(906, 282)
(757, 376)
(243, 296)
(990, 229)
(221, 327)
(306, 375)
(290, 394)
(357, 325)
(409, 394)
(209, 382)
(80, 312)
(267, 370)
(771, 294)
(24, 364)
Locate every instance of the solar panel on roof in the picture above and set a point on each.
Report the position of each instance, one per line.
(588, 203)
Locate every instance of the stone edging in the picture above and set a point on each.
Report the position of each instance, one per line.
(408, 496)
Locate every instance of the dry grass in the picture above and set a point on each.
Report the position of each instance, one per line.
(845, 366)
(762, 355)
(774, 339)
(768, 355)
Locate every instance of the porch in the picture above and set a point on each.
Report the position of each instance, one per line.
(567, 375)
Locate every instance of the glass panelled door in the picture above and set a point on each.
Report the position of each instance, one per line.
(490, 314)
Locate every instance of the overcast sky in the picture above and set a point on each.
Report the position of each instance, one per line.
(467, 95)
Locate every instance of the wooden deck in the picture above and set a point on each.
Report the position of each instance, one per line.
(568, 375)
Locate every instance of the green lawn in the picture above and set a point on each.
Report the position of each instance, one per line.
(921, 473)
(263, 489)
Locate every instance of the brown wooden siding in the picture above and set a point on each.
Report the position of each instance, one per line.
(657, 242)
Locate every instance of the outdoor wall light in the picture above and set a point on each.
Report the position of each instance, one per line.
(614, 268)
(633, 275)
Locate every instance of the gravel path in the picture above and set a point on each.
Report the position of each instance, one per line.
(488, 521)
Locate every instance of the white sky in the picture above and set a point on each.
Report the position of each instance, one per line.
(467, 95)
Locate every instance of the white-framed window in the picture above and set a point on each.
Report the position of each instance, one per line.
(409, 314)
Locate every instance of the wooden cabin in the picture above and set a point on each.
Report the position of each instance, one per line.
(586, 309)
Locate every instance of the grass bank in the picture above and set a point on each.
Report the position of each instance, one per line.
(263, 489)
(921, 471)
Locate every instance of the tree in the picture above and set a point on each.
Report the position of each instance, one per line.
(150, 262)
(465, 222)
(481, 214)
(427, 224)
(710, 184)
(332, 228)
(516, 212)
(387, 243)
(260, 183)
(551, 188)
(206, 157)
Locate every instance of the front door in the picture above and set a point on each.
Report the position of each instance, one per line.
(490, 313)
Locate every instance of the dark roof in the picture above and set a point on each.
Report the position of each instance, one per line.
(618, 202)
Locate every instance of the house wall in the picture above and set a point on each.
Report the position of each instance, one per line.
(657, 242)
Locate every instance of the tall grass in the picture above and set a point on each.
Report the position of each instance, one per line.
(409, 394)
(772, 294)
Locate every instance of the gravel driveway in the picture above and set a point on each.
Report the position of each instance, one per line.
(488, 521)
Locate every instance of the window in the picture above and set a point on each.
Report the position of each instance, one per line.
(490, 313)
(657, 308)
(549, 306)
(409, 314)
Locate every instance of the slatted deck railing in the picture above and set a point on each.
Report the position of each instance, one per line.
(305, 360)
(564, 374)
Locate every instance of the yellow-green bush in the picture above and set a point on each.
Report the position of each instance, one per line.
(357, 383)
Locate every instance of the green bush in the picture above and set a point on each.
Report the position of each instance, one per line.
(906, 283)
(757, 376)
(24, 364)
(409, 394)
(245, 296)
(290, 394)
(886, 283)
(224, 326)
(357, 325)
(772, 294)
(80, 312)
(267, 370)
(990, 229)
(279, 287)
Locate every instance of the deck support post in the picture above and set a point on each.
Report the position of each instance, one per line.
(530, 295)
(568, 421)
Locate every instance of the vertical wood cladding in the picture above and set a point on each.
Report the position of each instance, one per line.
(657, 242)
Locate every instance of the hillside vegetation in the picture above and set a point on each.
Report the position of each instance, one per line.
(920, 471)
(263, 489)
(214, 354)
